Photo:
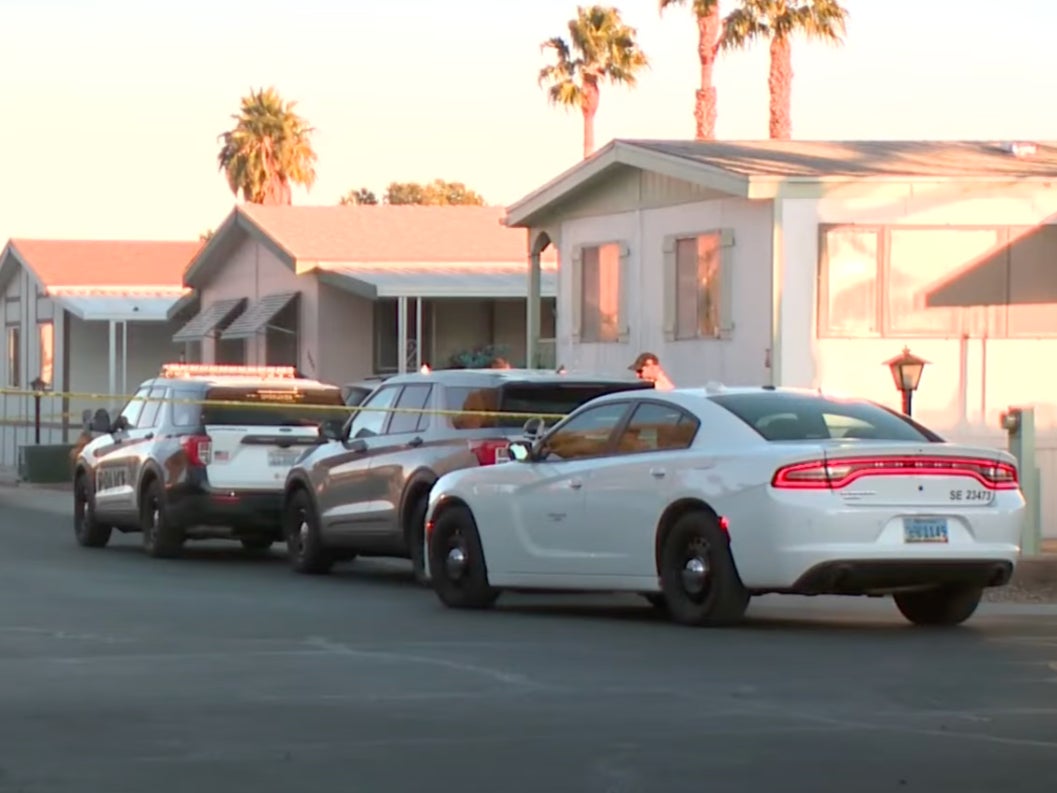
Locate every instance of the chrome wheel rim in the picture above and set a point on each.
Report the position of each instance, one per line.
(696, 569)
(455, 562)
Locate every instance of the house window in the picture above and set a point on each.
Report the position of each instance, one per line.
(1032, 290)
(850, 282)
(920, 281)
(14, 356)
(600, 293)
(46, 331)
(932, 273)
(697, 286)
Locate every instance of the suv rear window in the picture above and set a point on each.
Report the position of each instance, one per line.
(274, 406)
(523, 400)
(781, 416)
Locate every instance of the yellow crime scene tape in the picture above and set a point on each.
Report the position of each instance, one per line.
(84, 396)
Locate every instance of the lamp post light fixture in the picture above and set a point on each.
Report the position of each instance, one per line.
(39, 386)
(906, 371)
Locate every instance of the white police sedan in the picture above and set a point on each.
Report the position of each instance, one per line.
(700, 498)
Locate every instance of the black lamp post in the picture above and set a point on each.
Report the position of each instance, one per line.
(38, 386)
(906, 373)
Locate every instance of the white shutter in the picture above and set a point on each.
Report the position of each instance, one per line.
(625, 292)
(576, 290)
(726, 283)
(670, 277)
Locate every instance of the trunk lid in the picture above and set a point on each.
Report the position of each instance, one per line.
(264, 430)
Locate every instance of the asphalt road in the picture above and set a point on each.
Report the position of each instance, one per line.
(220, 672)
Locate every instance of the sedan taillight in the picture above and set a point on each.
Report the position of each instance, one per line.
(839, 473)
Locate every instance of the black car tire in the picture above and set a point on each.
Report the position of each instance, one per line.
(88, 531)
(416, 539)
(304, 546)
(456, 528)
(656, 599)
(161, 539)
(940, 607)
(721, 599)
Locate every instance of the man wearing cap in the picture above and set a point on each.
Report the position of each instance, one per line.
(647, 367)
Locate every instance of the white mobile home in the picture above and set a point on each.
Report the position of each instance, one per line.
(810, 264)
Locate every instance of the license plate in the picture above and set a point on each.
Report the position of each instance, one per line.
(925, 530)
(283, 457)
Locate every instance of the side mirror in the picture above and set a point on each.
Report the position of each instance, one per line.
(534, 427)
(329, 431)
(519, 451)
(100, 421)
(120, 424)
(357, 445)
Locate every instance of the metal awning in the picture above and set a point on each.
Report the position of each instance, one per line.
(206, 321)
(118, 308)
(478, 281)
(255, 318)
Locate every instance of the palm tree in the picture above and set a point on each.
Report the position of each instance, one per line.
(268, 149)
(601, 48)
(779, 21)
(708, 27)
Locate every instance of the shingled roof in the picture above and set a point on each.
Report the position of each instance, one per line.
(101, 263)
(370, 234)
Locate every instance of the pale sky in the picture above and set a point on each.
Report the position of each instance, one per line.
(111, 108)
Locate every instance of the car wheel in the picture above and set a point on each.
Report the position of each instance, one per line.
(89, 532)
(456, 562)
(303, 544)
(161, 539)
(416, 539)
(256, 544)
(942, 606)
(699, 580)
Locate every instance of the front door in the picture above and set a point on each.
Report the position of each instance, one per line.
(116, 465)
(350, 503)
(550, 520)
(627, 492)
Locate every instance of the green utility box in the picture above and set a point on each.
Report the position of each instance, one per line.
(45, 464)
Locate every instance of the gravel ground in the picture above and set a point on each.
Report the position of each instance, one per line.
(1023, 593)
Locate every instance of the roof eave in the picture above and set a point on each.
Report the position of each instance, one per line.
(770, 187)
(204, 264)
(618, 152)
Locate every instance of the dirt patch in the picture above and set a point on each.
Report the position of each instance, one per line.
(1017, 593)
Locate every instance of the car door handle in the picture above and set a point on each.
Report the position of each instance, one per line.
(658, 473)
(575, 484)
(415, 442)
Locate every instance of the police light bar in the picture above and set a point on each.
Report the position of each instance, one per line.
(229, 370)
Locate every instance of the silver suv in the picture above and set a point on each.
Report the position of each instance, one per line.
(365, 492)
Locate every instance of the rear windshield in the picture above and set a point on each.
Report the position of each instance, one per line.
(355, 394)
(525, 400)
(271, 406)
(781, 416)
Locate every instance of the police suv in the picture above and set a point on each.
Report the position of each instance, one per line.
(200, 452)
